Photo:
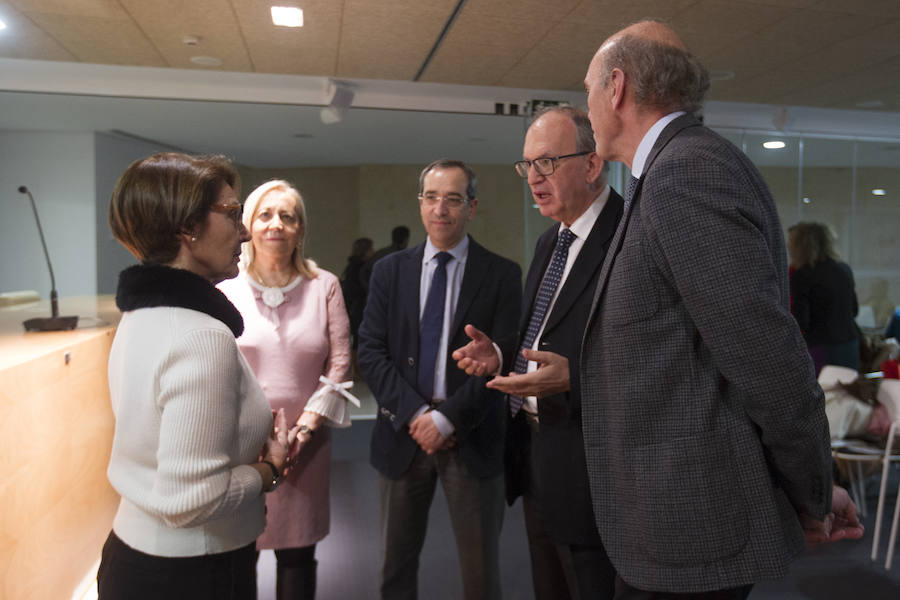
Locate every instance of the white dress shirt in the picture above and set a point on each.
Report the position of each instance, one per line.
(581, 227)
(647, 142)
(455, 270)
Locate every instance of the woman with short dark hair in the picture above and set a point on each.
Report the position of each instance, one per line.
(195, 447)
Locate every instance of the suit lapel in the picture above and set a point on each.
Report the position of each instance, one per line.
(410, 277)
(669, 132)
(586, 264)
(476, 269)
(542, 254)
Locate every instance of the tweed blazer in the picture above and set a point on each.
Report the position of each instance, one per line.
(704, 427)
(568, 515)
(489, 299)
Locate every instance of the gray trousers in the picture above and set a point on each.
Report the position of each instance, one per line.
(476, 515)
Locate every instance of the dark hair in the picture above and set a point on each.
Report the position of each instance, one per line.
(400, 233)
(361, 247)
(662, 76)
(584, 134)
(161, 196)
(810, 244)
(446, 163)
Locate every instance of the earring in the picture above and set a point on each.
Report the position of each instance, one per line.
(193, 239)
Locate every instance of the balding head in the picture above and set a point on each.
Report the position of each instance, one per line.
(663, 75)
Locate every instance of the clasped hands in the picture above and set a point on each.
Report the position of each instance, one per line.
(428, 436)
(479, 358)
(284, 443)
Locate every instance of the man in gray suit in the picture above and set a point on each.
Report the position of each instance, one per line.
(705, 434)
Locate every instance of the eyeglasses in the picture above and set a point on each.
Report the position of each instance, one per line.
(452, 200)
(232, 211)
(544, 166)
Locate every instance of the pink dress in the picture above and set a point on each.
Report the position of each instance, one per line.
(288, 347)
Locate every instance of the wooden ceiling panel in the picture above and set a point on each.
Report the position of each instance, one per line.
(167, 22)
(553, 64)
(106, 40)
(103, 9)
(874, 8)
(856, 87)
(389, 40)
(521, 10)
(23, 39)
(609, 16)
(308, 50)
(710, 24)
(470, 55)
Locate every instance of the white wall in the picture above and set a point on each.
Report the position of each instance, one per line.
(58, 168)
(113, 154)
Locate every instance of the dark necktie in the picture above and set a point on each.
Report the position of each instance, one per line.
(629, 191)
(541, 302)
(432, 325)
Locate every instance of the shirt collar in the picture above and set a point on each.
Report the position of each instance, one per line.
(649, 139)
(582, 226)
(458, 252)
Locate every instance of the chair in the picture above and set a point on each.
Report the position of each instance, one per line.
(889, 395)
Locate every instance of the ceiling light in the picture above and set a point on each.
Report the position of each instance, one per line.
(2, 24)
(878, 192)
(206, 61)
(805, 199)
(773, 145)
(870, 104)
(287, 16)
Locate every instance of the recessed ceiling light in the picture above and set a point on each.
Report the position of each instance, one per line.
(2, 24)
(206, 61)
(878, 192)
(287, 16)
(805, 199)
(773, 145)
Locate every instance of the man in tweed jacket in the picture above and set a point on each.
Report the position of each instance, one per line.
(705, 433)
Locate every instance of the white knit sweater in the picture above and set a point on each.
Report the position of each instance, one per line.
(190, 419)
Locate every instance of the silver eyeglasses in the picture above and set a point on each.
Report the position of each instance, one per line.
(452, 200)
(545, 165)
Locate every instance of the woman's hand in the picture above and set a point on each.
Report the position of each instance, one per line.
(279, 442)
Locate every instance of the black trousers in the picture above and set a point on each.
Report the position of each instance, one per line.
(128, 574)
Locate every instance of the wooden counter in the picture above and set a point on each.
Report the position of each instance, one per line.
(56, 429)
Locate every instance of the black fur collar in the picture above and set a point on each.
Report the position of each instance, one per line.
(146, 286)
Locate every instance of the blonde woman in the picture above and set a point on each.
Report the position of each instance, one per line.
(296, 330)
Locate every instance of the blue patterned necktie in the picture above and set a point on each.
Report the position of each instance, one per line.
(432, 326)
(541, 302)
(629, 191)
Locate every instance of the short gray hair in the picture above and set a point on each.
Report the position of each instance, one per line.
(663, 76)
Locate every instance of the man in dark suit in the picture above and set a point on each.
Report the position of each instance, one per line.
(434, 422)
(545, 452)
(705, 433)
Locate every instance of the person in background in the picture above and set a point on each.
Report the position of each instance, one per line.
(351, 283)
(399, 241)
(824, 297)
(194, 446)
(297, 330)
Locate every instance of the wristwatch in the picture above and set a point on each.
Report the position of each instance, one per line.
(276, 476)
(306, 429)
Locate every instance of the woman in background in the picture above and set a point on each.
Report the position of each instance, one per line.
(194, 445)
(823, 296)
(296, 331)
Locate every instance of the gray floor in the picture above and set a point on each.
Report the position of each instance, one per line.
(349, 557)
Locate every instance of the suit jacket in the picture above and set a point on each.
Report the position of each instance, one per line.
(704, 427)
(489, 297)
(565, 496)
(825, 302)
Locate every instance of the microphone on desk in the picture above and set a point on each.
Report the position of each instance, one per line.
(54, 322)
